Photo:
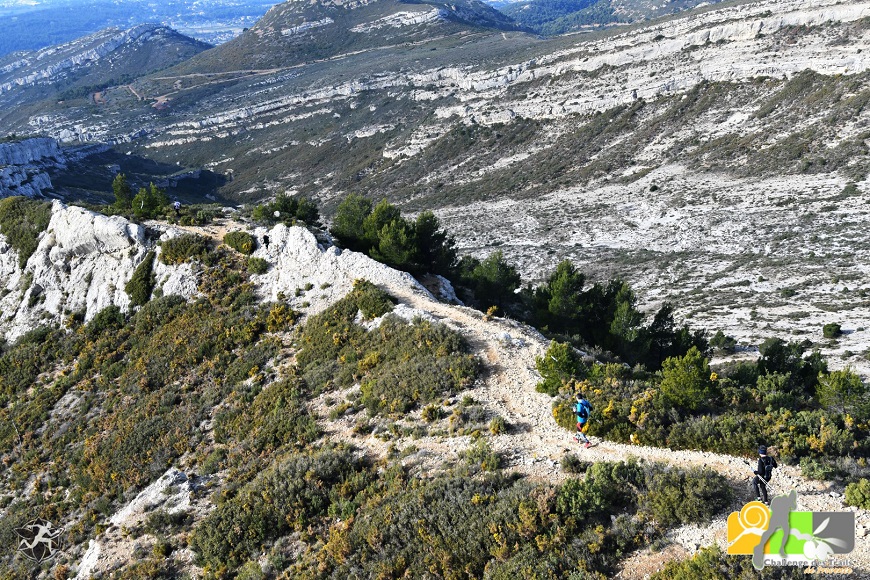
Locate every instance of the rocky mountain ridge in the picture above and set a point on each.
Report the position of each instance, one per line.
(599, 146)
(85, 259)
(79, 242)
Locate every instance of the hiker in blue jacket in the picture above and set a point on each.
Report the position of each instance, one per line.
(582, 409)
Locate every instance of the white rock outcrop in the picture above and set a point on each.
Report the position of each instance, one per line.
(82, 263)
(298, 262)
(29, 151)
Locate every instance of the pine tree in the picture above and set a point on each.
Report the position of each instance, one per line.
(347, 225)
(123, 192)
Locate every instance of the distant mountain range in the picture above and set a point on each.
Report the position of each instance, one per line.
(37, 24)
(552, 17)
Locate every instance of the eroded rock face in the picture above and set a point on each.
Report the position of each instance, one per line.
(23, 164)
(82, 263)
(29, 151)
(298, 261)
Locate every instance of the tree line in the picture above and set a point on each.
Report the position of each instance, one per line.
(601, 315)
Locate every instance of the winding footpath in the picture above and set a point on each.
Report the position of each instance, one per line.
(535, 444)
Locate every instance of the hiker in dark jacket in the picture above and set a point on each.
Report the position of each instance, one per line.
(763, 472)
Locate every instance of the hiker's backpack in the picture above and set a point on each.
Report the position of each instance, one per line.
(583, 409)
(768, 468)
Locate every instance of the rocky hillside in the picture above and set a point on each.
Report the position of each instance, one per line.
(257, 397)
(626, 151)
(82, 68)
(551, 17)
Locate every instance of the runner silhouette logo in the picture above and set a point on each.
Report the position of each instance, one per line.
(39, 539)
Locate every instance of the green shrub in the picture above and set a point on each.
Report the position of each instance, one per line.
(142, 282)
(432, 413)
(842, 390)
(182, 248)
(241, 242)
(605, 488)
(858, 494)
(559, 365)
(682, 497)
(563, 413)
(109, 318)
(817, 469)
(573, 464)
(371, 300)
(257, 265)
(686, 381)
(481, 456)
(832, 330)
(497, 426)
(21, 222)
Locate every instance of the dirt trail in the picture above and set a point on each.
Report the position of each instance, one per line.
(535, 444)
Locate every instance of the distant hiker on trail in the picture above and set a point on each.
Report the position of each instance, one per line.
(780, 508)
(582, 409)
(763, 473)
(176, 206)
(266, 242)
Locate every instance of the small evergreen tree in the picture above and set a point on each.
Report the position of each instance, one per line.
(149, 201)
(686, 380)
(560, 299)
(347, 225)
(495, 280)
(382, 215)
(436, 249)
(396, 245)
(123, 192)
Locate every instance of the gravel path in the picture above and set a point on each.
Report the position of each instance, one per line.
(535, 444)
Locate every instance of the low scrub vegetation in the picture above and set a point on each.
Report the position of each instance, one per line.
(183, 248)
(786, 399)
(361, 519)
(22, 220)
(241, 242)
(399, 365)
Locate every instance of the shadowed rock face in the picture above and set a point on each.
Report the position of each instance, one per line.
(25, 164)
